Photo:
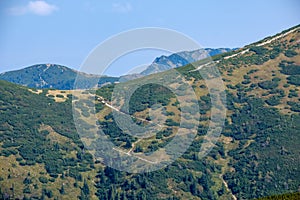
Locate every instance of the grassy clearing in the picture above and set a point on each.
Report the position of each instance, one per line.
(59, 95)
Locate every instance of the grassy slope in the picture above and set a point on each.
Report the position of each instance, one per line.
(265, 134)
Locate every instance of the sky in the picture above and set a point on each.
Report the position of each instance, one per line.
(65, 32)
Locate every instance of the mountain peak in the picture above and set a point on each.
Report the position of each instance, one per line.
(53, 76)
(179, 59)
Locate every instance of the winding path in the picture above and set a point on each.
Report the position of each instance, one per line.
(246, 50)
(133, 144)
(226, 185)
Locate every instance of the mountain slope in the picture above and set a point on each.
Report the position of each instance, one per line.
(52, 76)
(40, 150)
(179, 59)
(255, 156)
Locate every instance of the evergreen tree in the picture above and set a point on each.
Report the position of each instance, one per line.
(62, 189)
(85, 188)
(83, 196)
(123, 196)
(112, 193)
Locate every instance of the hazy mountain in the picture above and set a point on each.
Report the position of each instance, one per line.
(179, 59)
(53, 76)
(61, 77)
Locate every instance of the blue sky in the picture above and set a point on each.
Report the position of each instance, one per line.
(64, 32)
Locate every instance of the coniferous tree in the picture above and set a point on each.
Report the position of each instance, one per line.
(62, 190)
(85, 188)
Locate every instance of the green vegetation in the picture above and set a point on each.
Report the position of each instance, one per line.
(106, 92)
(289, 68)
(292, 196)
(149, 95)
(54, 76)
(290, 53)
(268, 85)
(258, 50)
(294, 79)
(256, 154)
(23, 137)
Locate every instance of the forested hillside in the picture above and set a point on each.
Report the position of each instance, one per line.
(54, 76)
(255, 156)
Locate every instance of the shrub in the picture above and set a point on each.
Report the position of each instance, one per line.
(258, 50)
(290, 53)
(245, 82)
(276, 79)
(59, 96)
(27, 181)
(43, 179)
(273, 101)
(286, 85)
(268, 85)
(290, 69)
(295, 80)
(27, 190)
(294, 106)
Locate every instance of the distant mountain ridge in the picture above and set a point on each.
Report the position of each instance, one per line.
(179, 59)
(53, 76)
(63, 78)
